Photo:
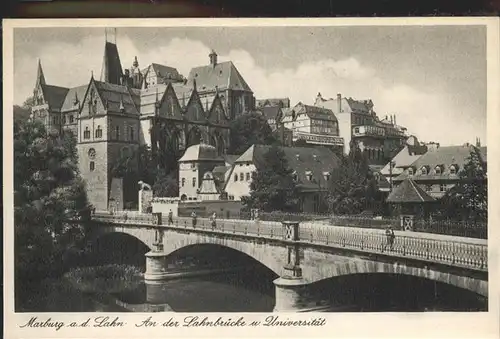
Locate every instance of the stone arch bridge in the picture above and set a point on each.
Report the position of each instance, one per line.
(301, 254)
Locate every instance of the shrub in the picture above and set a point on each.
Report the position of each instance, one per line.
(105, 279)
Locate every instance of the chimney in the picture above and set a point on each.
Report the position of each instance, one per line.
(213, 58)
(394, 119)
(339, 102)
(478, 142)
(391, 119)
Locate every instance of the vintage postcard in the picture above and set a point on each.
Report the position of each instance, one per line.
(251, 177)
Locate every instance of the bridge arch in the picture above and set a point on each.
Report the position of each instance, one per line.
(352, 267)
(252, 249)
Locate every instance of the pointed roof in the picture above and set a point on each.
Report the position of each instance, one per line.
(111, 71)
(409, 192)
(201, 152)
(40, 78)
(54, 95)
(223, 75)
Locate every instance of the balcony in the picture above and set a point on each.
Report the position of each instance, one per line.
(319, 139)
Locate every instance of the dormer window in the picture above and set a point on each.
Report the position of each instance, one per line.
(424, 170)
(453, 169)
(326, 175)
(438, 170)
(410, 171)
(309, 175)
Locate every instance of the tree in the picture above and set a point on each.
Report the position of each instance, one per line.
(468, 199)
(247, 130)
(273, 187)
(48, 194)
(140, 165)
(22, 113)
(352, 188)
(166, 185)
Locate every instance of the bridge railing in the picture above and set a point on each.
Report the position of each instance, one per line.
(458, 253)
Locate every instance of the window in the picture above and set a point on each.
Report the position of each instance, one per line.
(442, 187)
(236, 177)
(242, 176)
(248, 176)
(438, 170)
(295, 176)
(453, 170)
(54, 120)
(117, 132)
(428, 187)
(71, 119)
(86, 133)
(424, 170)
(194, 182)
(183, 182)
(356, 130)
(131, 133)
(193, 165)
(92, 166)
(64, 119)
(98, 132)
(410, 171)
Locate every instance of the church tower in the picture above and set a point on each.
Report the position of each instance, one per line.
(111, 71)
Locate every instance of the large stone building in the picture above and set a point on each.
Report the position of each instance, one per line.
(359, 123)
(438, 169)
(314, 125)
(155, 106)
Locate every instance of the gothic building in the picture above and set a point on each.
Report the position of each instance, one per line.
(154, 106)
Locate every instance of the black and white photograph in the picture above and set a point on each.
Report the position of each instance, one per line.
(249, 169)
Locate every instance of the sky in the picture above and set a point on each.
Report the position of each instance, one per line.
(432, 77)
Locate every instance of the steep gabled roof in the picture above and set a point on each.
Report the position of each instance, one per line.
(54, 95)
(116, 95)
(281, 102)
(409, 192)
(408, 155)
(313, 112)
(223, 75)
(148, 98)
(271, 112)
(74, 94)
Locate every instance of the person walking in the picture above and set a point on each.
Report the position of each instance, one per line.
(193, 216)
(170, 217)
(389, 233)
(213, 219)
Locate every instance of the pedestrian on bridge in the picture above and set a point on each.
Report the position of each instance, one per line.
(170, 217)
(213, 219)
(193, 216)
(389, 233)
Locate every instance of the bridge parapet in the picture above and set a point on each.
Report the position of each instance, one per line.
(440, 249)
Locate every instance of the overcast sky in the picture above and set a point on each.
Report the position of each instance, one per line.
(432, 77)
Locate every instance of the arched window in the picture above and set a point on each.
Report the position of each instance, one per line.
(236, 177)
(117, 132)
(86, 133)
(424, 170)
(131, 131)
(242, 176)
(438, 170)
(183, 182)
(453, 170)
(194, 182)
(92, 166)
(98, 132)
(248, 176)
